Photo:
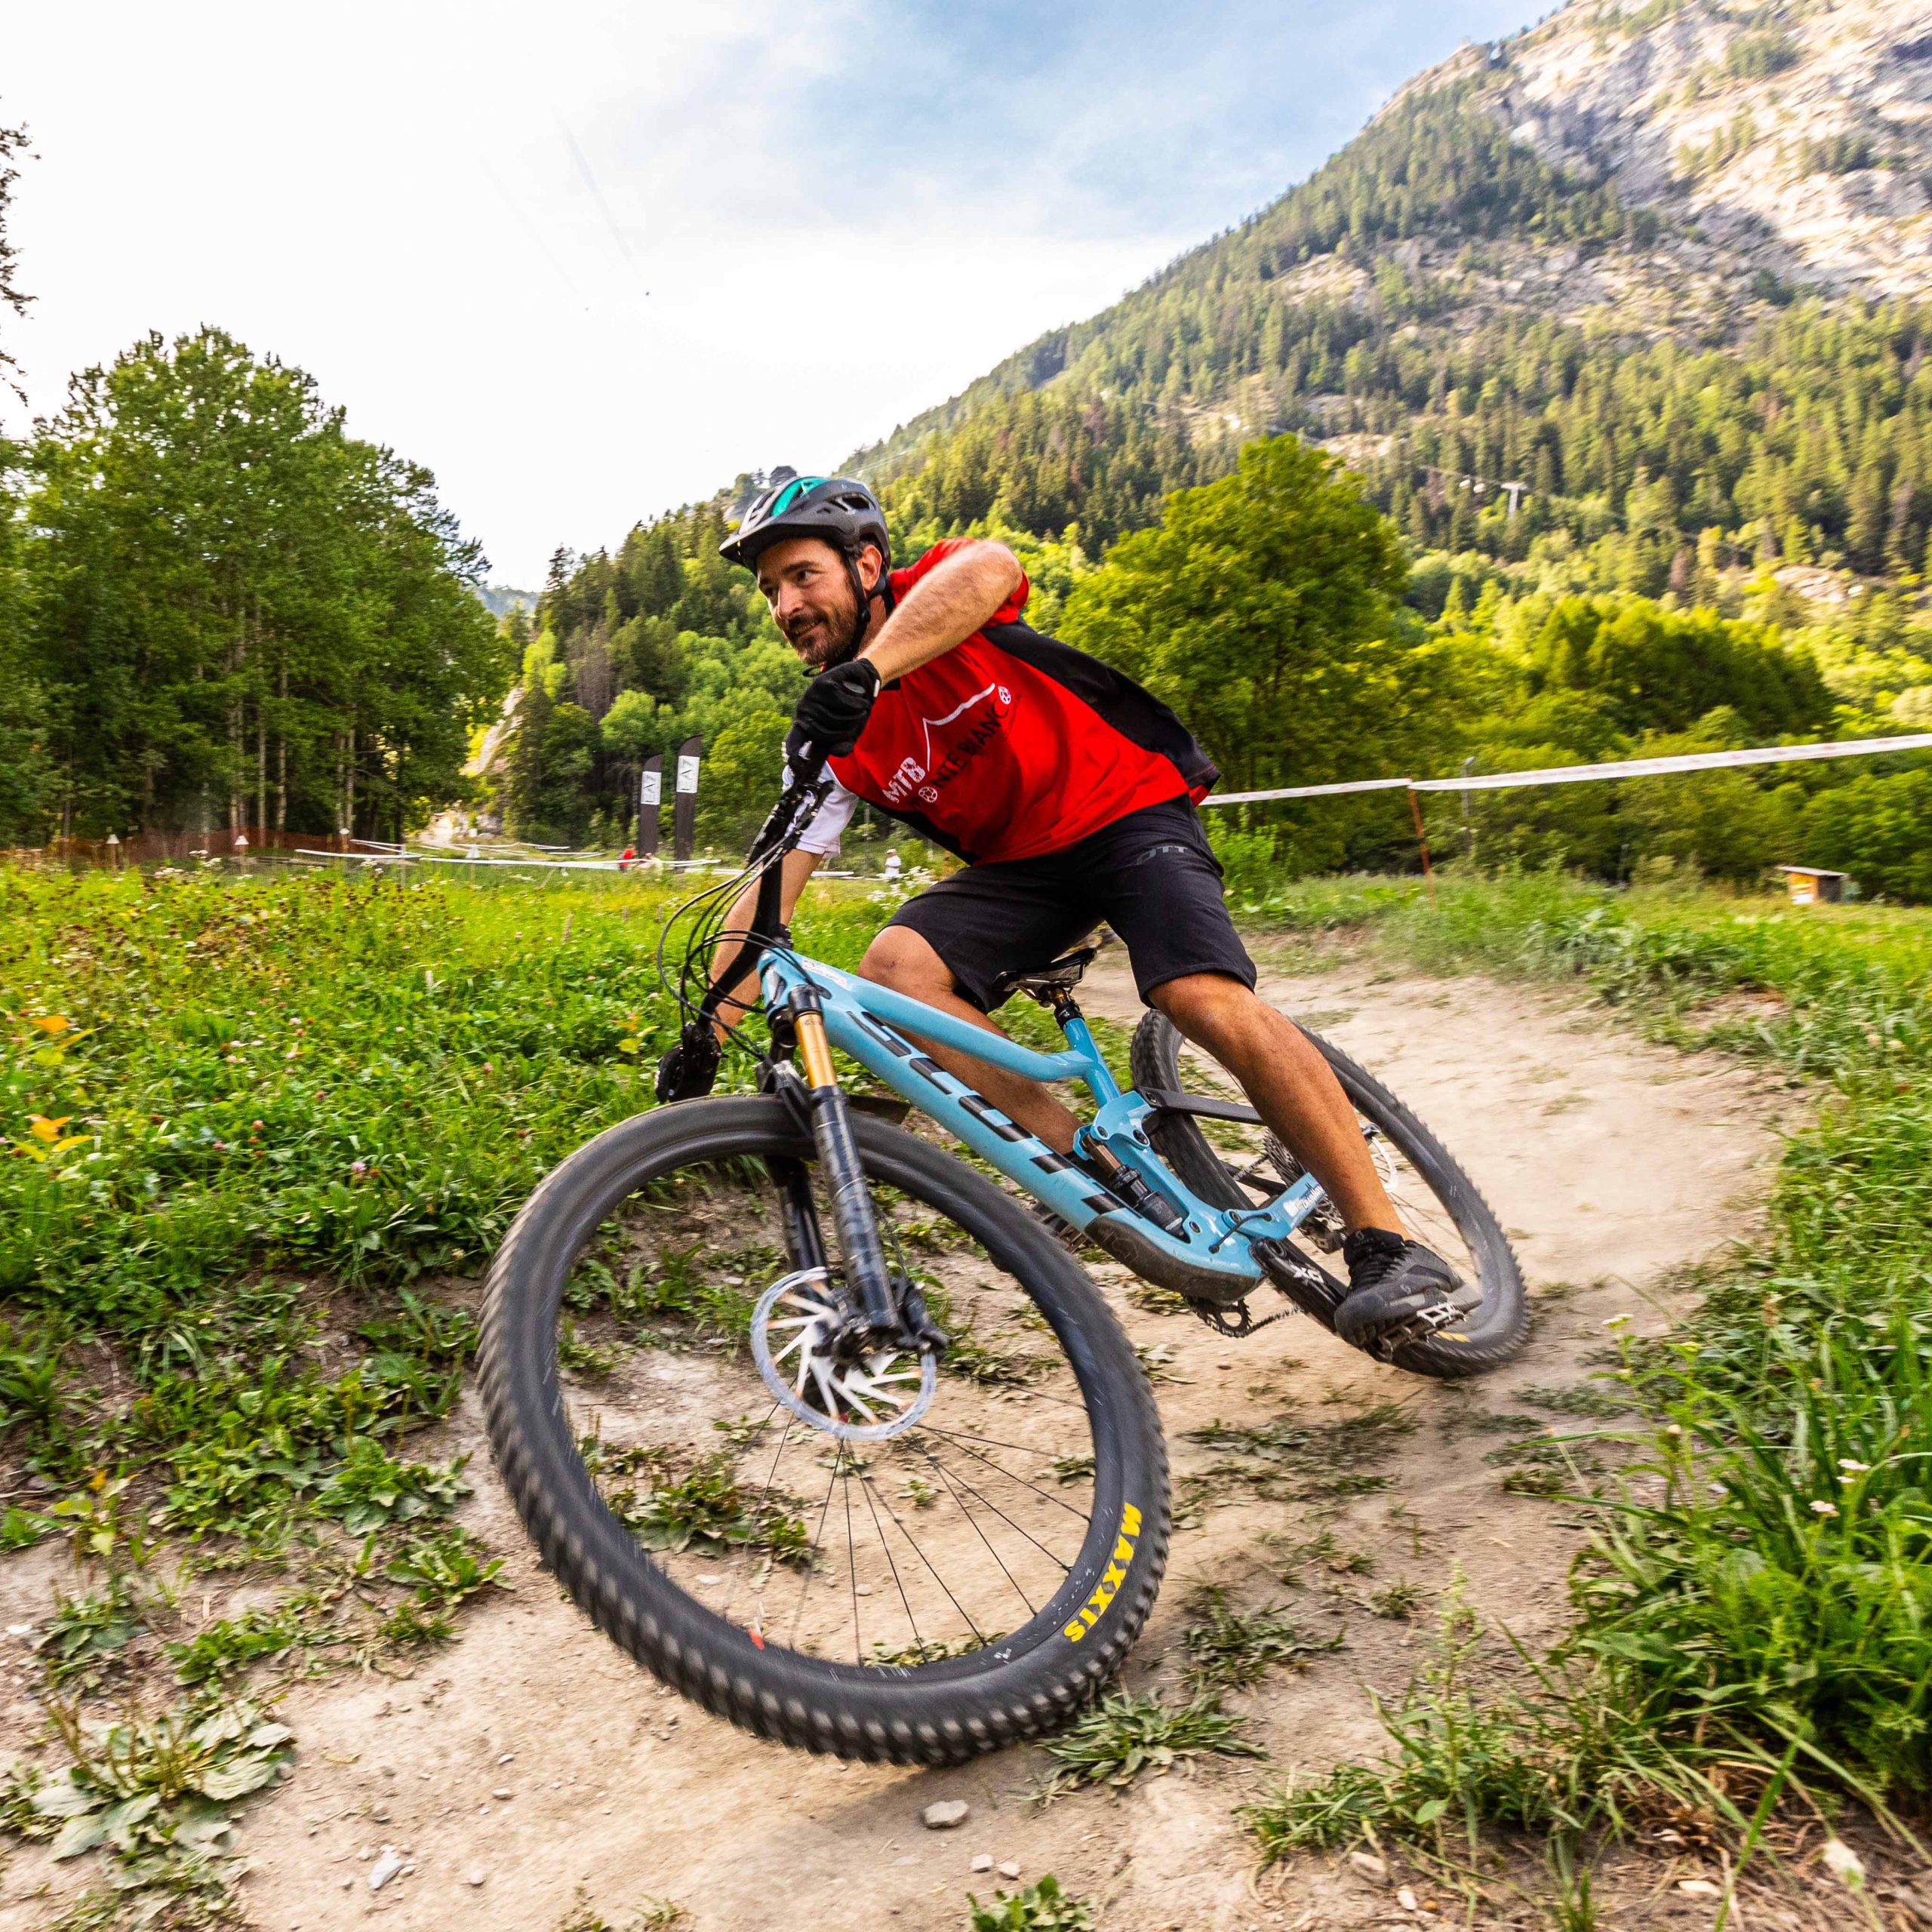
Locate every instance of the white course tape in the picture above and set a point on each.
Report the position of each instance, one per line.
(1309, 791)
(1575, 774)
(416, 857)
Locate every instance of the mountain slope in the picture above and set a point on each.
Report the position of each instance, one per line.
(1804, 133)
(1636, 301)
(1520, 223)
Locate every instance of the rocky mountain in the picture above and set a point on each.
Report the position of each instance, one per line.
(1637, 300)
(1799, 135)
(1619, 181)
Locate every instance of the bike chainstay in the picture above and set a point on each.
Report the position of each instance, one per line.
(867, 1275)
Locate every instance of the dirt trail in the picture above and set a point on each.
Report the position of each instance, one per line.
(533, 1758)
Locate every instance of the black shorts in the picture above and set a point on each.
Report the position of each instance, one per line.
(1150, 875)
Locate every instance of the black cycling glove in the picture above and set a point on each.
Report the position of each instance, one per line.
(690, 1070)
(832, 713)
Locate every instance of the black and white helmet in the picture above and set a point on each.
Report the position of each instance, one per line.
(838, 510)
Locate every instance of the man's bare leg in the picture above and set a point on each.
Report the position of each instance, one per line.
(899, 958)
(1291, 1086)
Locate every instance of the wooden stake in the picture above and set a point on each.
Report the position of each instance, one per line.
(1422, 844)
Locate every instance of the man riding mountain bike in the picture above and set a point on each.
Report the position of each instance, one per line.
(1070, 793)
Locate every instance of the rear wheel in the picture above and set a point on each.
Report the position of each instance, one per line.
(892, 1565)
(1234, 1164)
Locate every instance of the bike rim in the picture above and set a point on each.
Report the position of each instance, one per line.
(1255, 1161)
(920, 1551)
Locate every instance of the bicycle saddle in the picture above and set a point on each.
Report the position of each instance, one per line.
(1058, 976)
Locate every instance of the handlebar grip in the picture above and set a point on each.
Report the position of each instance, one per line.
(806, 770)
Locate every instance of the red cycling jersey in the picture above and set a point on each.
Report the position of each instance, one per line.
(1013, 744)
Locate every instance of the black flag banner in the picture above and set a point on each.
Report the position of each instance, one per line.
(684, 818)
(650, 796)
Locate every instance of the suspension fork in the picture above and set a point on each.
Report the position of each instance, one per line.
(803, 1243)
(867, 1276)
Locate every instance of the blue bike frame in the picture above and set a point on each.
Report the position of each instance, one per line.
(1212, 1249)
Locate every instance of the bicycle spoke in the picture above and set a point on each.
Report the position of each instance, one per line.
(852, 1563)
(764, 1494)
(957, 1513)
(954, 1476)
(994, 1442)
(811, 1567)
(920, 1554)
(981, 1533)
(918, 1642)
(1058, 1501)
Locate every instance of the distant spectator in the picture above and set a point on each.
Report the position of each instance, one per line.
(627, 858)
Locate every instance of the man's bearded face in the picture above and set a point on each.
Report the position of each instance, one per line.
(806, 584)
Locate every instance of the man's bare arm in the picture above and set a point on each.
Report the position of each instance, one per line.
(945, 607)
(797, 868)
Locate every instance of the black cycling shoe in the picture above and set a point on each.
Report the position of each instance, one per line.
(1398, 1291)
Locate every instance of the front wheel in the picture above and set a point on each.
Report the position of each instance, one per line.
(880, 1576)
(1231, 1164)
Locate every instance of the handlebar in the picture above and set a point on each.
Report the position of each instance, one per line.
(807, 787)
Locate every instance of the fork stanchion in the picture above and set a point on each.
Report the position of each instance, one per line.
(865, 1271)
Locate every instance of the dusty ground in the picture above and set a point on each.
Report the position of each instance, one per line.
(532, 1759)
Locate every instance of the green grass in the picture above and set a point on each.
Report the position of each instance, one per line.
(251, 1120)
(652, 1915)
(264, 1133)
(709, 1510)
(233, 1644)
(1545, 1751)
(1232, 1650)
(1125, 1738)
(1400, 1601)
(1757, 1591)
(1285, 1460)
(1041, 1908)
(258, 1138)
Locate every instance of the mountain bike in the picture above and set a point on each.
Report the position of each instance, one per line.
(825, 1424)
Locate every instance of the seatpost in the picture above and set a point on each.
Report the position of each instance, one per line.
(839, 1154)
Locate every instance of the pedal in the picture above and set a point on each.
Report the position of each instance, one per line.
(1434, 1323)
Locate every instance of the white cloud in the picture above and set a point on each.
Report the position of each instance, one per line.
(388, 196)
(588, 260)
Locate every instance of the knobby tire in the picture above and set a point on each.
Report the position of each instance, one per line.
(1496, 1329)
(1022, 1685)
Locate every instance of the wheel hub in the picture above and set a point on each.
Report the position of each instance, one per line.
(862, 1398)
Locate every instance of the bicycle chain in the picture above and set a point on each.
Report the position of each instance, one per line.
(1216, 1318)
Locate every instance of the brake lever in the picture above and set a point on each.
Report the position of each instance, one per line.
(799, 800)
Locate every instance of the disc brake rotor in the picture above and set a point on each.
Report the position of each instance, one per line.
(863, 1400)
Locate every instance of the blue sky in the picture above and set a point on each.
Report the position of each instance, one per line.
(587, 260)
